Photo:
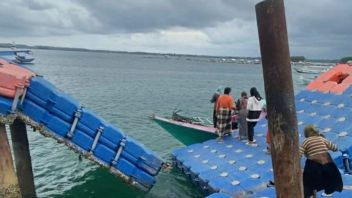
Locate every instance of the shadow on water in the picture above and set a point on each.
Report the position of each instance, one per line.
(109, 186)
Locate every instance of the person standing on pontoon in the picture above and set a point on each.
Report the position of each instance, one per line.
(224, 107)
(254, 107)
(241, 106)
(214, 99)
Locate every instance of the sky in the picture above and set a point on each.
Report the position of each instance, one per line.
(317, 29)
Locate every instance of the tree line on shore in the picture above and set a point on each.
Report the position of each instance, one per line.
(302, 59)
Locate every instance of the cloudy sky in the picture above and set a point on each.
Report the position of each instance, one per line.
(317, 28)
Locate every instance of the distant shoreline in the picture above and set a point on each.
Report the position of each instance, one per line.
(43, 47)
(20, 46)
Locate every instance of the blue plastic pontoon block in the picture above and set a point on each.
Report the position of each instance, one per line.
(251, 183)
(142, 162)
(267, 192)
(207, 175)
(104, 153)
(348, 91)
(342, 128)
(227, 184)
(89, 121)
(302, 106)
(82, 140)
(347, 179)
(34, 111)
(5, 105)
(323, 98)
(327, 110)
(42, 88)
(108, 143)
(303, 95)
(312, 119)
(35, 99)
(141, 156)
(339, 100)
(343, 142)
(45, 94)
(219, 195)
(57, 125)
(111, 136)
(63, 106)
(130, 170)
(326, 124)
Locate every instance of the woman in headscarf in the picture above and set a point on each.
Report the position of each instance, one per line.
(254, 107)
(224, 107)
(241, 106)
(214, 99)
(320, 171)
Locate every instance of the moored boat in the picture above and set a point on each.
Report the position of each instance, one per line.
(23, 59)
(18, 56)
(187, 130)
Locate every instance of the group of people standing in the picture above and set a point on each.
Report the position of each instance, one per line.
(320, 171)
(248, 108)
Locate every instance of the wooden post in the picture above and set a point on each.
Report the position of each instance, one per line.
(22, 158)
(8, 180)
(280, 98)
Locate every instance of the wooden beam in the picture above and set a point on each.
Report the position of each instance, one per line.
(8, 179)
(280, 98)
(22, 158)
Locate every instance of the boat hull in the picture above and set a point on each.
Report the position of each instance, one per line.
(186, 133)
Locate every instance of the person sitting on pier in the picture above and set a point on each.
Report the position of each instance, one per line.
(254, 107)
(214, 99)
(224, 107)
(320, 171)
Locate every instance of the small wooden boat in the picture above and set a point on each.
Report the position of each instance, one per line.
(187, 130)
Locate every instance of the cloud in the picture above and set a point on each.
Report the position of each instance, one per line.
(146, 16)
(317, 28)
(43, 18)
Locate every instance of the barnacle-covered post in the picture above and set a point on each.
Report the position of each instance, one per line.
(280, 98)
(22, 158)
(8, 179)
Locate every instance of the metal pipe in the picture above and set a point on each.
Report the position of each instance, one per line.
(22, 158)
(280, 98)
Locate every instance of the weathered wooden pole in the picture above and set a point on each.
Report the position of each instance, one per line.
(280, 98)
(8, 180)
(22, 158)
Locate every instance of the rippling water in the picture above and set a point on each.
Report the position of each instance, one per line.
(125, 89)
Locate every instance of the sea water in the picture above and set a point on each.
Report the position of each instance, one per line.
(125, 89)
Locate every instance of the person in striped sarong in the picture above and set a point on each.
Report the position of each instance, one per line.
(224, 107)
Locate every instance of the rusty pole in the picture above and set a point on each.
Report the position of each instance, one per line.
(8, 180)
(22, 158)
(280, 98)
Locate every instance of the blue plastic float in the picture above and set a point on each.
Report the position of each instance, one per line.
(66, 120)
(232, 168)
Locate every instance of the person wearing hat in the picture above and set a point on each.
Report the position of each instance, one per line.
(320, 171)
